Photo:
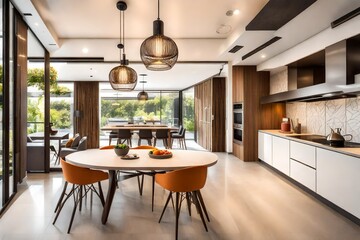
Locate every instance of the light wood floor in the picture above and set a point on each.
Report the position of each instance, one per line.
(244, 200)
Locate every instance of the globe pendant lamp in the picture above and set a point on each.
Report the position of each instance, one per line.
(122, 77)
(143, 96)
(158, 52)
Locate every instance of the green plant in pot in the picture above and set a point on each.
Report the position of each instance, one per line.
(121, 149)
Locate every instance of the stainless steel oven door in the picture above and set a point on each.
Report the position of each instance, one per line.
(238, 134)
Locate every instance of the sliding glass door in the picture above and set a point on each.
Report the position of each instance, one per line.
(1, 111)
(7, 105)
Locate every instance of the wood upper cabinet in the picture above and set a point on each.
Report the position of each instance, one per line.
(248, 86)
(210, 114)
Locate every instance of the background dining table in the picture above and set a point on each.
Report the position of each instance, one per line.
(58, 136)
(137, 127)
(108, 160)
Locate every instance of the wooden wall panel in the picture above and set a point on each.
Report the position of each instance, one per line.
(203, 114)
(254, 85)
(271, 115)
(87, 102)
(21, 98)
(238, 150)
(238, 84)
(218, 111)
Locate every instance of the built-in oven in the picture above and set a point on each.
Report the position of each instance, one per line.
(238, 135)
(238, 122)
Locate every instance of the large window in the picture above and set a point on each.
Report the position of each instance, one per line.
(1, 107)
(62, 107)
(116, 107)
(188, 113)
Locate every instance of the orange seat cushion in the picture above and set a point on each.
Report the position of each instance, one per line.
(68, 143)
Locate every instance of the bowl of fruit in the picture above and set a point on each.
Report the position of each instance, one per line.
(121, 149)
(160, 154)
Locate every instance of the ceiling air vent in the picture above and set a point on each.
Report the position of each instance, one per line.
(271, 41)
(235, 49)
(345, 18)
(27, 14)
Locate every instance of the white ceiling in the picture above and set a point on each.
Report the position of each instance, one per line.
(93, 24)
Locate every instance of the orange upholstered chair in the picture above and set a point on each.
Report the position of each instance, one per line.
(107, 147)
(186, 184)
(82, 180)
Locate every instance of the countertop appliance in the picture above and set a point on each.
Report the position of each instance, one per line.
(322, 140)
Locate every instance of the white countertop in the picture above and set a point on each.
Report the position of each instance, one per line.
(355, 152)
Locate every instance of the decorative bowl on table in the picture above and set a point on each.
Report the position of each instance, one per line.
(121, 149)
(160, 154)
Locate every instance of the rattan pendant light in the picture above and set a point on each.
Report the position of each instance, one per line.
(122, 77)
(158, 52)
(143, 96)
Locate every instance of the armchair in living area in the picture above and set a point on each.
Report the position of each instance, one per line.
(81, 146)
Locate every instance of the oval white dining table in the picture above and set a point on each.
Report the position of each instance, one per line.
(108, 160)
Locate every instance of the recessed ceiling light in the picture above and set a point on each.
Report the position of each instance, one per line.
(236, 12)
(36, 24)
(263, 56)
(223, 29)
(230, 13)
(85, 50)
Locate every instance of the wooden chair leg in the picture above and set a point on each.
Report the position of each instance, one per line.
(188, 200)
(101, 195)
(80, 205)
(198, 207)
(77, 200)
(185, 143)
(61, 196)
(152, 193)
(203, 204)
(167, 202)
(177, 214)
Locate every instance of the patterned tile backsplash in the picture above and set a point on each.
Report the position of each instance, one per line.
(318, 117)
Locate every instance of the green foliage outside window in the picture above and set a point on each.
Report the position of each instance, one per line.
(59, 110)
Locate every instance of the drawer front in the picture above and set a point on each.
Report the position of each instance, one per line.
(303, 153)
(303, 174)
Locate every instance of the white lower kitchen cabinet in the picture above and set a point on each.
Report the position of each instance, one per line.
(303, 174)
(281, 154)
(338, 179)
(265, 147)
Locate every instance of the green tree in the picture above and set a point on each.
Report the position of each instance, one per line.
(60, 114)
(35, 77)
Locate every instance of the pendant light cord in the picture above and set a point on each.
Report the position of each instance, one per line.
(123, 30)
(120, 37)
(158, 10)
